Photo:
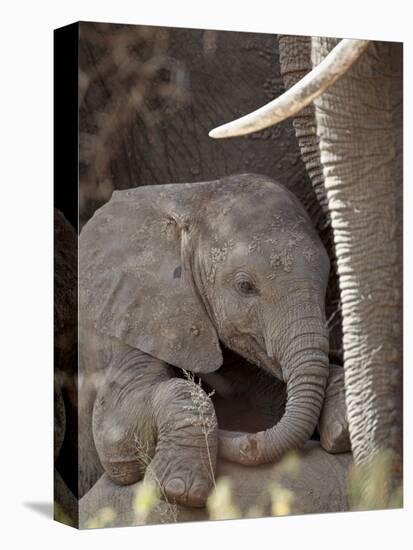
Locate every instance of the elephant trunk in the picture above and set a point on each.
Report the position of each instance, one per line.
(304, 361)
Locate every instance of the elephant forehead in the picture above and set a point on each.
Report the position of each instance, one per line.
(248, 214)
(279, 253)
(258, 211)
(270, 255)
(275, 233)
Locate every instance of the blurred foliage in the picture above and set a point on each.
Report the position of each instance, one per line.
(278, 500)
(104, 518)
(146, 499)
(60, 515)
(281, 500)
(220, 504)
(371, 486)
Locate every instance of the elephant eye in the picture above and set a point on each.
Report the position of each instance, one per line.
(246, 287)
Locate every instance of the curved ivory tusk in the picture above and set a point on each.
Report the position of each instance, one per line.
(336, 63)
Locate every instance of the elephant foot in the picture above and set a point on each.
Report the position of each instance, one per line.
(333, 424)
(184, 463)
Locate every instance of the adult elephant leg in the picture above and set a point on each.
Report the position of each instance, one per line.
(359, 122)
(146, 422)
(295, 63)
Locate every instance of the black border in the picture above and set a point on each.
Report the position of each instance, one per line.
(66, 199)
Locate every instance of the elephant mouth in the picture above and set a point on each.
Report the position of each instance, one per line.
(246, 397)
(258, 357)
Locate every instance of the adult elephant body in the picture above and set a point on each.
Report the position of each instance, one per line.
(357, 129)
(165, 140)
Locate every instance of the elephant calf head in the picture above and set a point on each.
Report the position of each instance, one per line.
(174, 270)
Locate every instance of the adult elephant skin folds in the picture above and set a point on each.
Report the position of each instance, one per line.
(359, 125)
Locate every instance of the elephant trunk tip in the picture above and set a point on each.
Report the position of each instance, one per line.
(241, 448)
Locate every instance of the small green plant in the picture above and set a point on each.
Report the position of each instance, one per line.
(200, 409)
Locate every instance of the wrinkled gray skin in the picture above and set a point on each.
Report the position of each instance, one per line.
(171, 277)
(351, 141)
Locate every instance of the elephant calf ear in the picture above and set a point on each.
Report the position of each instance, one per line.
(133, 285)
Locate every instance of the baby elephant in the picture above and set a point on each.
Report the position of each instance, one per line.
(170, 277)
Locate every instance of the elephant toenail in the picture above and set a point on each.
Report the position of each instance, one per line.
(175, 487)
(337, 430)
